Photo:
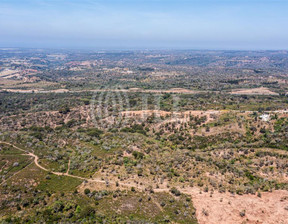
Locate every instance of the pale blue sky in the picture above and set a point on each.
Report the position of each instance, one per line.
(127, 24)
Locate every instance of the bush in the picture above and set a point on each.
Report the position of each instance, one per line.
(94, 132)
(242, 213)
(175, 191)
(64, 110)
(138, 155)
(87, 191)
(86, 211)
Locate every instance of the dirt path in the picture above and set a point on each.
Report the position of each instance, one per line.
(36, 161)
(68, 168)
(4, 165)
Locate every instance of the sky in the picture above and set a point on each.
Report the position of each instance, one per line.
(145, 24)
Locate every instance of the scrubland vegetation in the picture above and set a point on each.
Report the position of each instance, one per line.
(63, 161)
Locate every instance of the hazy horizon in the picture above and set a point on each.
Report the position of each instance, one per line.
(138, 24)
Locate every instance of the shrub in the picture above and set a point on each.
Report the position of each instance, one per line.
(175, 191)
(242, 213)
(87, 191)
(94, 132)
(64, 110)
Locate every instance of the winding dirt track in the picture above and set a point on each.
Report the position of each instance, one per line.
(6, 162)
(91, 180)
(36, 161)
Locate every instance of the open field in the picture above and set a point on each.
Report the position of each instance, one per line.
(256, 91)
(226, 208)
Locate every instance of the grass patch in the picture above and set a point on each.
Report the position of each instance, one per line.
(59, 183)
(54, 166)
(9, 150)
(140, 207)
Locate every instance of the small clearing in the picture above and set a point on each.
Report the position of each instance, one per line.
(255, 91)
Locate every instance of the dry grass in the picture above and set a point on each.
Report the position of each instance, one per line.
(226, 208)
(255, 91)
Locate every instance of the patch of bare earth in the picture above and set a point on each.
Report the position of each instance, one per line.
(36, 91)
(255, 91)
(174, 90)
(270, 208)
